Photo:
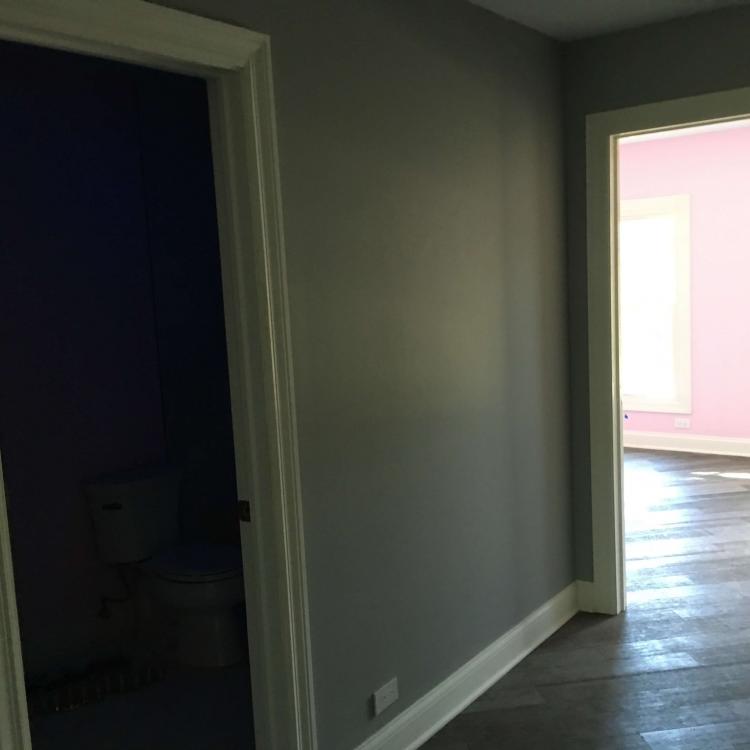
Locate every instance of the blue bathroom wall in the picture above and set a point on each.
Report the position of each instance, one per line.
(184, 245)
(111, 329)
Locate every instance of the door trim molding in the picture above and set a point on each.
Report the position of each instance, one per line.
(14, 724)
(236, 64)
(607, 591)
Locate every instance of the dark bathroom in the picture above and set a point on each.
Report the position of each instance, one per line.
(115, 412)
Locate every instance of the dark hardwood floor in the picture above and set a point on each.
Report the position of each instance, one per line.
(674, 670)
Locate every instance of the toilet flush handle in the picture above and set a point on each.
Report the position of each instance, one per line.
(243, 509)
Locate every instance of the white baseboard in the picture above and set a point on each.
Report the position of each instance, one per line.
(429, 714)
(591, 598)
(586, 594)
(689, 443)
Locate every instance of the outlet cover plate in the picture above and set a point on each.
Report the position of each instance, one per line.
(385, 696)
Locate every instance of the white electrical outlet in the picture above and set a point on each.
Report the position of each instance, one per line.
(385, 696)
(682, 423)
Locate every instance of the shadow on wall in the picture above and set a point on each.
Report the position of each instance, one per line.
(111, 325)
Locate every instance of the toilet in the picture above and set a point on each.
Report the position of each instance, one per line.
(136, 523)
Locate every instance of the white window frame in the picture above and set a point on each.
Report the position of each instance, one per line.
(676, 207)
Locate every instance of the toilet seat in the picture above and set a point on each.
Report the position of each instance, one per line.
(197, 563)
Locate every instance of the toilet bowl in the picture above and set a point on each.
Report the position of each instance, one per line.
(202, 584)
(136, 523)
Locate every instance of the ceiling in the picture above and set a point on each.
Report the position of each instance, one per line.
(577, 19)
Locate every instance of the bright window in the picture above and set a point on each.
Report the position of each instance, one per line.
(654, 287)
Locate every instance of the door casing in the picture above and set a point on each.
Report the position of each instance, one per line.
(606, 593)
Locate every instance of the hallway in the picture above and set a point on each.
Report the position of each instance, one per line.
(674, 670)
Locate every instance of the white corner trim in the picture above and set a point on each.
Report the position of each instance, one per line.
(585, 594)
(688, 443)
(592, 598)
(434, 710)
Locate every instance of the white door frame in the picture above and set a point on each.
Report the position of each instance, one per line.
(607, 591)
(236, 64)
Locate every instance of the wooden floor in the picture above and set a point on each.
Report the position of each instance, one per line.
(674, 671)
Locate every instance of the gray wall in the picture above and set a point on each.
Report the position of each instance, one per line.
(421, 155)
(691, 56)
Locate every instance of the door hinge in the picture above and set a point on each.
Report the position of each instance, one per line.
(243, 508)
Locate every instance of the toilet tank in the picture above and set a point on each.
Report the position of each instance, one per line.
(135, 513)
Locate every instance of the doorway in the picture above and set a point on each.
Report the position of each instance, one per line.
(683, 233)
(115, 388)
(605, 131)
(235, 63)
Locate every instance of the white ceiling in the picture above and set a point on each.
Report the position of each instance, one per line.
(576, 19)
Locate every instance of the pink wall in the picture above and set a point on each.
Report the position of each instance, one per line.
(714, 169)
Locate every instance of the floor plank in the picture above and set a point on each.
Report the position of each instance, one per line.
(674, 670)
